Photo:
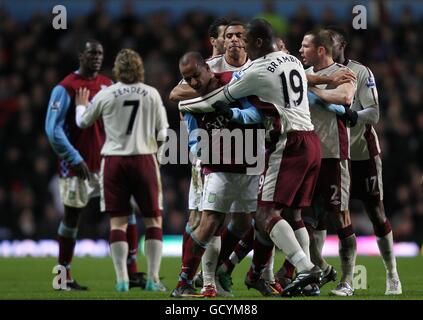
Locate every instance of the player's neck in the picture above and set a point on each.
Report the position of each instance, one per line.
(87, 74)
(236, 61)
(213, 84)
(324, 63)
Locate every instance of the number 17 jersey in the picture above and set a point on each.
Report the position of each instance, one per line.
(133, 115)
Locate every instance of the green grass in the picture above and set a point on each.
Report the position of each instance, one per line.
(31, 278)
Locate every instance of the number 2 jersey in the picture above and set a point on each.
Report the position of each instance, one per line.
(133, 116)
(331, 129)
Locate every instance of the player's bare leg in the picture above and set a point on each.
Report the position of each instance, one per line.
(119, 251)
(347, 252)
(383, 232)
(194, 250)
(272, 228)
(67, 233)
(153, 248)
(192, 224)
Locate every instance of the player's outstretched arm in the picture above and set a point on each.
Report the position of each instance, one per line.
(343, 94)
(182, 92)
(340, 77)
(56, 115)
(86, 114)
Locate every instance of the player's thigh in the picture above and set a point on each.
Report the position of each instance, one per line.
(245, 190)
(146, 185)
(333, 184)
(115, 193)
(366, 177)
(217, 193)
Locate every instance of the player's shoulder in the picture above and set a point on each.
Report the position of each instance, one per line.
(214, 58)
(359, 68)
(69, 81)
(104, 80)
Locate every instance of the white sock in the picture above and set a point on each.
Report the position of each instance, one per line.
(316, 249)
(153, 252)
(386, 249)
(209, 260)
(119, 252)
(284, 238)
(304, 240)
(348, 254)
(267, 273)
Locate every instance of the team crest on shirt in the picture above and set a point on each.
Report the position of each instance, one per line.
(211, 198)
(55, 105)
(371, 82)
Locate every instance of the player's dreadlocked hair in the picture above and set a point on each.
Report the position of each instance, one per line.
(128, 67)
(213, 29)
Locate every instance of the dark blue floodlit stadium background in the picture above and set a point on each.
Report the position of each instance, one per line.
(34, 57)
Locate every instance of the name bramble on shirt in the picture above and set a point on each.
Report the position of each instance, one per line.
(278, 61)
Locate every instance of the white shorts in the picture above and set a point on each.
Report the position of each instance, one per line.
(195, 188)
(230, 192)
(76, 192)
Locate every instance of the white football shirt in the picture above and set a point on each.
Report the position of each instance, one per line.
(133, 116)
(219, 64)
(364, 141)
(277, 79)
(332, 131)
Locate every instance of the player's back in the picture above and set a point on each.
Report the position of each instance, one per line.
(133, 114)
(331, 129)
(279, 79)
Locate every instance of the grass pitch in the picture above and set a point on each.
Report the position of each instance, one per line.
(31, 278)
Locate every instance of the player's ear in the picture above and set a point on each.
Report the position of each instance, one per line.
(212, 41)
(259, 42)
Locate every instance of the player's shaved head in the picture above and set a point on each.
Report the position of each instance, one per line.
(191, 56)
(259, 39)
(86, 44)
(339, 32)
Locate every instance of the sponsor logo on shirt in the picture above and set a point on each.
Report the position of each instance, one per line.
(55, 105)
(371, 82)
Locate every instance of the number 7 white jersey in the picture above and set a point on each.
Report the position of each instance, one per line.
(133, 115)
(280, 84)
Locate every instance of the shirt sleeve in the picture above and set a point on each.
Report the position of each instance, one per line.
(192, 125)
(54, 126)
(243, 86)
(247, 115)
(368, 98)
(161, 118)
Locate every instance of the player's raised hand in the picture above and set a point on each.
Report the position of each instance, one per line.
(82, 97)
(82, 171)
(342, 76)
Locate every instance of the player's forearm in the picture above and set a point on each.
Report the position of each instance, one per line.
(204, 103)
(82, 118)
(314, 80)
(316, 102)
(182, 92)
(63, 148)
(369, 115)
(339, 95)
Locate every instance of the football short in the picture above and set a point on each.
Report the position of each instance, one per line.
(76, 192)
(195, 188)
(366, 179)
(292, 168)
(230, 192)
(333, 185)
(124, 176)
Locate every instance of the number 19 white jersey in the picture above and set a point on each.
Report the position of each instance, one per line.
(280, 84)
(133, 115)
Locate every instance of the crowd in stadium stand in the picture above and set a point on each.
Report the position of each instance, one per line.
(34, 58)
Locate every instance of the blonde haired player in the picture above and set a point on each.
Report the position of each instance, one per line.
(133, 115)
